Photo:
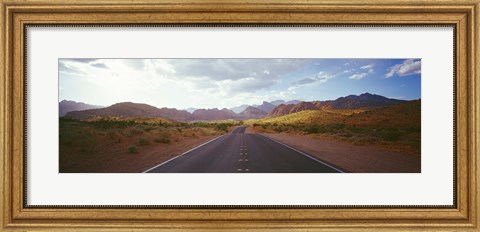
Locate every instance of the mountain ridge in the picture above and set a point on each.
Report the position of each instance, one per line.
(363, 101)
(66, 106)
(266, 109)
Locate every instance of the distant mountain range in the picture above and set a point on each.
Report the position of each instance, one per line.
(265, 106)
(352, 102)
(68, 106)
(129, 109)
(239, 109)
(213, 114)
(252, 113)
(243, 112)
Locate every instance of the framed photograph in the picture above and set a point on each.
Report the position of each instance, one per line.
(316, 115)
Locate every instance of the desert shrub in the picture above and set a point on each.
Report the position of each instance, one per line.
(107, 123)
(143, 141)
(346, 134)
(415, 145)
(102, 133)
(312, 129)
(391, 134)
(356, 129)
(68, 137)
(338, 126)
(200, 124)
(132, 149)
(88, 131)
(363, 140)
(161, 140)
(137, 131)
(149, 128)
(201, 131)
(280, 128)
(87, 144)
(115, 136)
(132, 131)
(221, 126)
(127, 133)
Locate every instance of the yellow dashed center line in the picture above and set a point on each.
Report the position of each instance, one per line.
(243, 152)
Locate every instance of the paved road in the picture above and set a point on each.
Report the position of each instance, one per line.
(239, 152)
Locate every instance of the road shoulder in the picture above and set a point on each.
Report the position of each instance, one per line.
(353, 158)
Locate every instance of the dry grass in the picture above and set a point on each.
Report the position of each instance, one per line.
(394, 127)
(308, 117)
(128, 145)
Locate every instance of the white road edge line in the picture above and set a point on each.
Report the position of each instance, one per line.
(201, 145)
(305, 154)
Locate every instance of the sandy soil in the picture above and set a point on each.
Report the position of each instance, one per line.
(352, 158)
(115, 158)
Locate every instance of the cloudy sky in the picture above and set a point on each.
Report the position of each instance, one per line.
(209, 83)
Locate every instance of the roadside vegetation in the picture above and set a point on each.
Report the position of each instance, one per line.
(396, 127)
(88, 136)
(110, 136)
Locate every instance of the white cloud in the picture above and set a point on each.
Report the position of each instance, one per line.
(407, 68)
(192, 82)
(358, 76)
(396, 97)
(99, 65)
(251, 84)
(359, 73)
(321, 77)
(234, 69)
(136, 64)
(370, 66)
(324, 77)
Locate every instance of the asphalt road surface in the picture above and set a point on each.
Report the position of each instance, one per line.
(238, 152)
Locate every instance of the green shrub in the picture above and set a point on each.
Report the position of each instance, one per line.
(338, 126)
(313, 129)
(132, 149)
(391, 135)
(115, 136)
(280, 128)
(143, 141)
(222, 126)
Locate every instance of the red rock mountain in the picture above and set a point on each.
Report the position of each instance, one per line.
(252, 113)
(280, 110)
(69, 106)
(351, 102)
(213, 114)
(266, 107)
(129, 109)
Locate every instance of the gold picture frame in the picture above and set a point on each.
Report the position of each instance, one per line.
(16, 14)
